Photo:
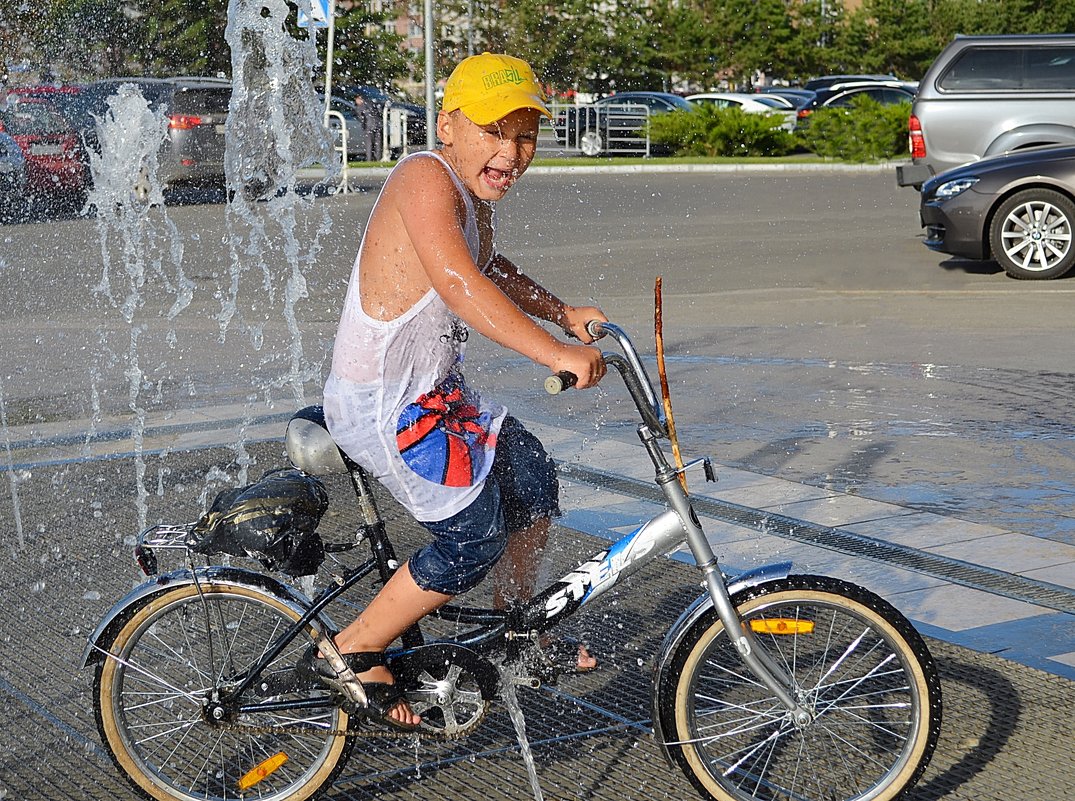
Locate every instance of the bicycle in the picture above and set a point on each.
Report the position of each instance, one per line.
(824, 690)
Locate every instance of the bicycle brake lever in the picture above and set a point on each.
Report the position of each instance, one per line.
(707, 469)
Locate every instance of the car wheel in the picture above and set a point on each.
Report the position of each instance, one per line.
(1031, 234)
(591, 143)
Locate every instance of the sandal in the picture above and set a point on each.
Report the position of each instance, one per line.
(381, 698)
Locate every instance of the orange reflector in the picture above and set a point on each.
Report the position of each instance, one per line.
(782, 625)
(259, 772)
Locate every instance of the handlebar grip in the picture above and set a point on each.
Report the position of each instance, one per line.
(595, 328)
(555, 384)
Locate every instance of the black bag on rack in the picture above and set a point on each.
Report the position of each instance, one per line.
(274, 520)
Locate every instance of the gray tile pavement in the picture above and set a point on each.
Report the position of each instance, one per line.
(948, 609)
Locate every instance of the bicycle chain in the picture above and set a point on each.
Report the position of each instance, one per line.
(386, 734)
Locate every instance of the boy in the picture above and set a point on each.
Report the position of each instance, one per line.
(396, 401)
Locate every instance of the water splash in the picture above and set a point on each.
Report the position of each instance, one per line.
(511, 702)
(135, 232)
(274, 129)
(13, 480)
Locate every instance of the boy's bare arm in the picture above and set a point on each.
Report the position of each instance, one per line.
(425, 199)
(537, 301)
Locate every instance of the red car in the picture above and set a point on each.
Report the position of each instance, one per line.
(55, 166)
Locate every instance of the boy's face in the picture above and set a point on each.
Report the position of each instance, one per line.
(490, 158)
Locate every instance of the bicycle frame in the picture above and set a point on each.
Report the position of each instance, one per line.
(496, 631)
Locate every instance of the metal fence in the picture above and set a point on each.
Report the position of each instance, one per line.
(595, 130)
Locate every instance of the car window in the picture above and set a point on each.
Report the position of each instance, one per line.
(33, 118)
(373, 94)
(1050, 68)
(203, 101)
(343, 107)
(981, 68)
(891, 97)
(848, 97)
(1008, 68)
(716, 102)
(98, 94)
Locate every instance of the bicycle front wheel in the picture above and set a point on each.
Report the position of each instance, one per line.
(156, 701)
(857, 664)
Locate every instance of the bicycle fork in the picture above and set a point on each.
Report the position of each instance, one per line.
(757, 659)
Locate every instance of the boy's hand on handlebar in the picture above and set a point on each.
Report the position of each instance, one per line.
(583, 361)
(575, 318)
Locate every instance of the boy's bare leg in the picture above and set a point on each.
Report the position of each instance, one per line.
(397, 607)
(515, 575)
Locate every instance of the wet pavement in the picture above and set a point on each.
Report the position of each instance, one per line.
(875, 416)
(1007, 724)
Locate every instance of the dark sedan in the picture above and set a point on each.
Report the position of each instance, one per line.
(841, 95)
(1018, 208)
(363, 107)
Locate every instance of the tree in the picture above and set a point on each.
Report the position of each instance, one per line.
(184, 36)
(90, 38)
(365, 52)
(897, 36)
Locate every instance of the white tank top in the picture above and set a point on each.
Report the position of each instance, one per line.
(396, 401)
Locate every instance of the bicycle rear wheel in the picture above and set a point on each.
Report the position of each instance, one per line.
(154, 701)
(857, 663)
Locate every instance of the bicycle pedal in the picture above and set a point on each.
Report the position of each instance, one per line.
(532, 682)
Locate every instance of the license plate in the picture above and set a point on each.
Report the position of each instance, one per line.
(220, 129)
(46, 150)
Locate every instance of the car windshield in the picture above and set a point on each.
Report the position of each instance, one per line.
(656, 102)
(374, 94)
(203, 101)
(29, 118)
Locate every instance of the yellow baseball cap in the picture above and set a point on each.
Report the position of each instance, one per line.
(489, 87)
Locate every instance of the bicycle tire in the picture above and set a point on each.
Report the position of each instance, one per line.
(150, 695)
(858, 664)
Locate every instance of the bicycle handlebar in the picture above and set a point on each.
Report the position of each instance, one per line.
(630, 368)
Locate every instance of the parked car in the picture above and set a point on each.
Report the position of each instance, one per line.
(797, 98)
(363, 107)
(12, 178)
(1017, 208)
(615, 122)
(984, 95)
(843, 94)
(196, 108)
(55, 166)
(751, 104)
(826, 81)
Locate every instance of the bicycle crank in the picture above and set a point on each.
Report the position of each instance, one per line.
(450, 686)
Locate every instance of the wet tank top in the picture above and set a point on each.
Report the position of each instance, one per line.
(396, 400)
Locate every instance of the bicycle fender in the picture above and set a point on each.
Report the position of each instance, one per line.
(105, 633)
(702, 605)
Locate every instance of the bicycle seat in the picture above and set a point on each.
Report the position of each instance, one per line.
(310, 447)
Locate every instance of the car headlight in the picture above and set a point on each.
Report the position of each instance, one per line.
(949, 189)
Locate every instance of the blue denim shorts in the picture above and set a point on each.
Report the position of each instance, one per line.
(521, 489)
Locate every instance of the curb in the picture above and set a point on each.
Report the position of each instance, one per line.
(630, 169)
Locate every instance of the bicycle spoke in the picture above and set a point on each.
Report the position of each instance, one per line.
(849, 672)
(192, 758)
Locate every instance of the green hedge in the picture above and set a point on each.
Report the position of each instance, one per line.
(863, 131)
(711, 131)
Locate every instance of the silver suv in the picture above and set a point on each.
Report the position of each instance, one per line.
(986, 95)
(196, 107)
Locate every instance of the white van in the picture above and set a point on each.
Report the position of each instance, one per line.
(985, 95)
